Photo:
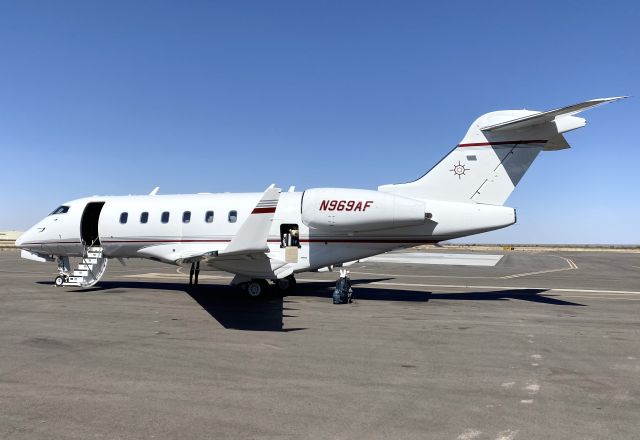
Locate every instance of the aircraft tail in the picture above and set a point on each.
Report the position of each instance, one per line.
(497, 150)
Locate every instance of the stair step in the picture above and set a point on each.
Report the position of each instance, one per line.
(80, 273)
(90, 260)
(95, 249)
(94, 254)
(85, 266)
(74, 281)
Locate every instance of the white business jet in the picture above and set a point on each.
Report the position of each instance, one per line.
(272, 236)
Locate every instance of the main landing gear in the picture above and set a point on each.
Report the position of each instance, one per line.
(259, 288)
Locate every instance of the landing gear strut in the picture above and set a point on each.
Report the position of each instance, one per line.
(64, 268)
(193, 273)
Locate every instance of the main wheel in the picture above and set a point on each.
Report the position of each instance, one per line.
(59, 281)
(257, 288)
(286, 285)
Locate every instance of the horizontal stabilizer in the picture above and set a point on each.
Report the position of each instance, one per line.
(544, 117)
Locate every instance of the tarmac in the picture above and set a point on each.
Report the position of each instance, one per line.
(541, 345)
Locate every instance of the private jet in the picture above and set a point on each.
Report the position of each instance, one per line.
(266, 238)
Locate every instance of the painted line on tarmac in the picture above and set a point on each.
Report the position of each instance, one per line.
(618, 297)
(571, 266)
(596, 292)
(438, 258)
(174, 276)
(548, 289)
(421, 276)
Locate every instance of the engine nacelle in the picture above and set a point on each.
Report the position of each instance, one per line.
(341, 209)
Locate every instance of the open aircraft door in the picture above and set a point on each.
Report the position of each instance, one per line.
(89, 224)
(290, 242)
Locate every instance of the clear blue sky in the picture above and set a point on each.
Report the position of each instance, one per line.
(116, 97)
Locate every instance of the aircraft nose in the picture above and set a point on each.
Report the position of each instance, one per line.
(21, 240)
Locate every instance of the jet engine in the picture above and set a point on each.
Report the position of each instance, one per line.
(341, 209)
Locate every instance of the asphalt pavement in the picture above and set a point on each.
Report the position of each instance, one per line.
(541, 345)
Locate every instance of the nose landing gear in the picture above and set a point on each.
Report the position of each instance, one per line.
(60, 280)
(64, 268)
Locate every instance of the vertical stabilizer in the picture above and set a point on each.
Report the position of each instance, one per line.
(497, 150)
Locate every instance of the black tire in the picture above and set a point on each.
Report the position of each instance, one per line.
(58, 281)
(286, 285)
(257, 289)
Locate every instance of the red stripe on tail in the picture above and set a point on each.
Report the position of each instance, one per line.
(263, 210)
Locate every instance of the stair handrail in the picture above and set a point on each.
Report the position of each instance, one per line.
(86, 255)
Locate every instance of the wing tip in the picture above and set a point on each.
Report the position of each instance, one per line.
(609, 99)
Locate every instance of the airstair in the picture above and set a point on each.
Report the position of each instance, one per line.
(91, 268)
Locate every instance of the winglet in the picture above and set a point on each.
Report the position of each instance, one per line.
(252, 235)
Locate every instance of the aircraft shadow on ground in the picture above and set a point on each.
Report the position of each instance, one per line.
(371, 293)
(234, 310)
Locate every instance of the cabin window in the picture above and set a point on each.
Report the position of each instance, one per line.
(60, 210)
(208, 217)
(233, 216)
(186, 217)
(123, 217)
(144, 217)
(165, 217)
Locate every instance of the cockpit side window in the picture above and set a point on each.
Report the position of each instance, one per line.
(60, 210)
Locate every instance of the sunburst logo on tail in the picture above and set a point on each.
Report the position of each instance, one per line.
(459, 170)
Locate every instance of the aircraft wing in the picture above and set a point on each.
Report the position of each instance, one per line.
(248, 247)
(252, 235)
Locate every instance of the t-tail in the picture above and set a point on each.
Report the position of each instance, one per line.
(497, 150)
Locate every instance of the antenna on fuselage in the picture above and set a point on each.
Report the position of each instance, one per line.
(155, 191)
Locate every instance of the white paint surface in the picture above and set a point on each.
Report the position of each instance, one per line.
(469, 434)
(507, 435)
(436, 258)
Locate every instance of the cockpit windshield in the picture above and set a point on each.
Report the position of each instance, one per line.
(60, 210)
